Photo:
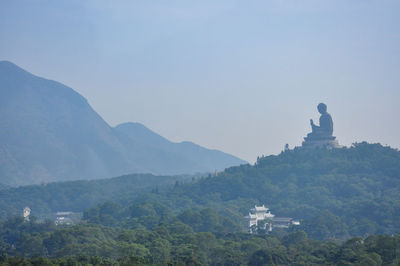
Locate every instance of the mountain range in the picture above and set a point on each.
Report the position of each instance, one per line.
(49, 132)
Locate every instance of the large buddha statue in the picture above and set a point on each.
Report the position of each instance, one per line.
(321, 135)
(325, 128)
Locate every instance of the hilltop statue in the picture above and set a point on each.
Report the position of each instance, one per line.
(325, 127)
(321, 136)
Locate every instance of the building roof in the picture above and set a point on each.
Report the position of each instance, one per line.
(282, 219)
(260, 208)
(251, 216)
(63, 213)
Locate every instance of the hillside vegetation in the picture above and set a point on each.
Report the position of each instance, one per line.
(76, 196)
(347, 200)
(30, 243)
(336, 193)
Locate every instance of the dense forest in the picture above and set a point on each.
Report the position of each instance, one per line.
(178, 243)
(337, 194)
(346, 199)
(77, 196)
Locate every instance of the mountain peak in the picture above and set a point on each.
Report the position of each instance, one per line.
(8, 68)
(132, 125)
(51, 133)
(139, 131)
(5, 63)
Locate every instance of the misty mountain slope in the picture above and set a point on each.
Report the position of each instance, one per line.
(49, 132)
(158, 153)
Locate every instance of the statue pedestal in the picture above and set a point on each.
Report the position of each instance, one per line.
(328, 142)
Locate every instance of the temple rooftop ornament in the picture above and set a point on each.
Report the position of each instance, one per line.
(321, 136)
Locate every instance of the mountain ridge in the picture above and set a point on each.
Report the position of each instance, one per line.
(49, 132)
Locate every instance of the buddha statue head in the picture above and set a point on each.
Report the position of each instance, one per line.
(322, 108)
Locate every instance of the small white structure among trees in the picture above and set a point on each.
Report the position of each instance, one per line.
(64, 218)
(261, 219)
(26, 213)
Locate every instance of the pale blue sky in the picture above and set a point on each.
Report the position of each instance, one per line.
(244, 77)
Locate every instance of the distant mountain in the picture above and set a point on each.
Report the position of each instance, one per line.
(49, 132)
(162, 156)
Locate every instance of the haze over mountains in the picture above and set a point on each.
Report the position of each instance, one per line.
(49, 132)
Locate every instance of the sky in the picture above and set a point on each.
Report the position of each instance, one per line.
(244, 77)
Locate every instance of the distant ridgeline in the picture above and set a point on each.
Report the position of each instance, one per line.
(49, 132)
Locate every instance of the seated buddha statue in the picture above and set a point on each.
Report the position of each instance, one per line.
(325, 128)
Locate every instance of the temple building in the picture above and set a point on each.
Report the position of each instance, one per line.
(261, 216)
(258, 214)
(64, 218)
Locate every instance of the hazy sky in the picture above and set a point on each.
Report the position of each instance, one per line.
(243, 77)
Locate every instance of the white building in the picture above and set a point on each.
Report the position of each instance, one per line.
(64, 218)
(263, 214)
(26, 213)
(258, 214)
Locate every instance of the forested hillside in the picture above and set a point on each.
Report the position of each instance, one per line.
(177, 243)
(346, 199)
(76, 196)
(335, 193)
